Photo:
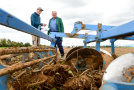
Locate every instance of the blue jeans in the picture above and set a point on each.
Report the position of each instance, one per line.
(59, 44)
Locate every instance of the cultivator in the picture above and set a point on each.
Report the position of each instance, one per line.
(18, 58)
(82, 68)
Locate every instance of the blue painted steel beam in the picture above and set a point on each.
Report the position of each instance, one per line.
(97, 47)
(129, 38)
(126, 38)
(94, 27)
(98, 37)
(80, 26)
(109, 85)
(11, 21)
(85, 45)
(90, 38)
(58, 34)
(112, 45)
(3, 80)
(116, 32)
(120, 31)
(114, 39)
(77, 27)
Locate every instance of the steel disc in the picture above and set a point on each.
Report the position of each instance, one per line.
(85, 58)
(73, 49)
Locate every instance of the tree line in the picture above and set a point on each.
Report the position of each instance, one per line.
(9, 43)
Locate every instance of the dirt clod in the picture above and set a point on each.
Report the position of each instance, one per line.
(128, 73)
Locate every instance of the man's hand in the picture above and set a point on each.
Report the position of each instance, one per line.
(44, 24)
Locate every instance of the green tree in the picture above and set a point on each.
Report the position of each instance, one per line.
(9, 43)
(27, 44)
(3, 43)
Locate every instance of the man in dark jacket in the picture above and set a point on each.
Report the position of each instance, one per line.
(35, 22)
(56, 25)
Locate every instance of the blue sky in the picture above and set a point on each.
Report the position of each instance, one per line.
(107, 12)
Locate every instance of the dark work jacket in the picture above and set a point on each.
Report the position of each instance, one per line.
(35, 20)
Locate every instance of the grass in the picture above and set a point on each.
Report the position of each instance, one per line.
(2, 47)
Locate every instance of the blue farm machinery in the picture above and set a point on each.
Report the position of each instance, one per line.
(39, 68)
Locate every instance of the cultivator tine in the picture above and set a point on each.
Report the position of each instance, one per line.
(19, 66)
(45, 55)
(23, 50)
(40, 56)
(26, 58)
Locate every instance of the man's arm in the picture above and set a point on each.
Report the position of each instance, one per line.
(35, 21)
(62, 26)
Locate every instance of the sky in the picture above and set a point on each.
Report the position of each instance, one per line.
(107, 12)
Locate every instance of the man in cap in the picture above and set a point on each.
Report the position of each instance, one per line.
(35, 22)
(56, 25)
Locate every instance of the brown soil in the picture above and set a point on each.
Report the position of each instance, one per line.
(78, 83)
(128, 73)
(29, 80)
(88, 81)
(107, 59)
(52, 76)
(120, 50)
(59, 77)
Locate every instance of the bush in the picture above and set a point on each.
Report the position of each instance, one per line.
(9, 43)
(3, 43)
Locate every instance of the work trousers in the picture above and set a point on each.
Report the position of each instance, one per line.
(35, 40)
(59, 44)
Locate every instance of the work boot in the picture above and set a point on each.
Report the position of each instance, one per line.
(62, 56)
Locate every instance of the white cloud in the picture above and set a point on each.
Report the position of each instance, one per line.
(73, 3)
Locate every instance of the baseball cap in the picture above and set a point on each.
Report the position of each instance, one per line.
(39, 8)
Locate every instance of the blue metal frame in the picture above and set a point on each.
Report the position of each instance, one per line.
(116, 32)
(105, 32)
